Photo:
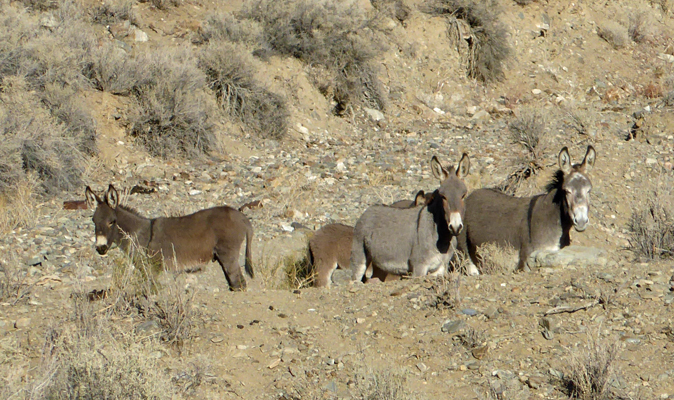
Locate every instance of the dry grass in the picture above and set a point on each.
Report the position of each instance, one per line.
(497, 259)
(111, 69)
(230, 76)
(18, 205)
(14, 283)
(298, 271)
(478, 34)
(651, 228)
(591, 370)
(101, 363)
(332, 35)
(614, 34)
(386, 385)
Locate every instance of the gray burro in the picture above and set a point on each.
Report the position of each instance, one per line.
(330, 247)
(213, 234)
(537, 223)
(418, 240)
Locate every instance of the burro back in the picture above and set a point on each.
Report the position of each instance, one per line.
(418, 240)
(213, 234)
(529, 224)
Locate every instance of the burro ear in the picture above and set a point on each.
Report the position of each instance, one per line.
(588, 161)
(420, 198)
(464, 167)
(565, 160)
(92, 199)
(438, 171)
(112, 197)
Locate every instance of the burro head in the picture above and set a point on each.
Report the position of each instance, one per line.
(452, 191)
(577, 186)
(105, 218)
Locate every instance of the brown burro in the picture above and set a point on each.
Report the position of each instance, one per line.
(529, 224)
(417, 240)
(330, 247)
(213, 234)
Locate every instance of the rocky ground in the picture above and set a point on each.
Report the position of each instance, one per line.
(460, 337)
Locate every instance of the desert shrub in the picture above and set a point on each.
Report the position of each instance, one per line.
(230, 76)
(524, 2)
(46, 129)
(484, 47)
(113, 11)
(614, 34)
(18, 204)
(385, 385)
(33, 142)
(591, 370)
(13, 283)
(497, 259)
(165, 4)
(651, 228)
(636, 30)
(393, 8)
(330, 34)
(472, 338)
(40, 5)
(172, 113)
(111, 69)
(226, 27)
(529, 130)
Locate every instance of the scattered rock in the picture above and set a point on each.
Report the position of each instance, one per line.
(576, 256)
(375, 115)
(22, 323)
(452, 326)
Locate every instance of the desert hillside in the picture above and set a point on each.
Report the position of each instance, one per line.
(302, 113)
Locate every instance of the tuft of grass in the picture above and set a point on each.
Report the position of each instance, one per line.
(447, 291)
(591, 370)
(230, 76)
(614, 34)
(329, 34)
(495, 259)
(385, 385)
(173, 108)
(479, 35)
(472, 338)
(651, 228)
(298, 271)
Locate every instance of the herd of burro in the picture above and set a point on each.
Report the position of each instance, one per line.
(415, 238)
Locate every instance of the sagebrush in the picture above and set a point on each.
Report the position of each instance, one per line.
(479, 35)
(333, 35)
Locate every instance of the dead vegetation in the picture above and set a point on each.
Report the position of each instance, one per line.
(329, 35)
(226, 27)
(477, 33)
(651, 228)
(591, 370)
(496, 259)
(298, 271)
(230, 76)
(614, 34)
(637, 27)
(14, 281)
(173, 108)
(529, 130)
(114, 11)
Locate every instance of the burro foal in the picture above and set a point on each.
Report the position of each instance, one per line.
(417, 240)
(529, 224)
(213, 234)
